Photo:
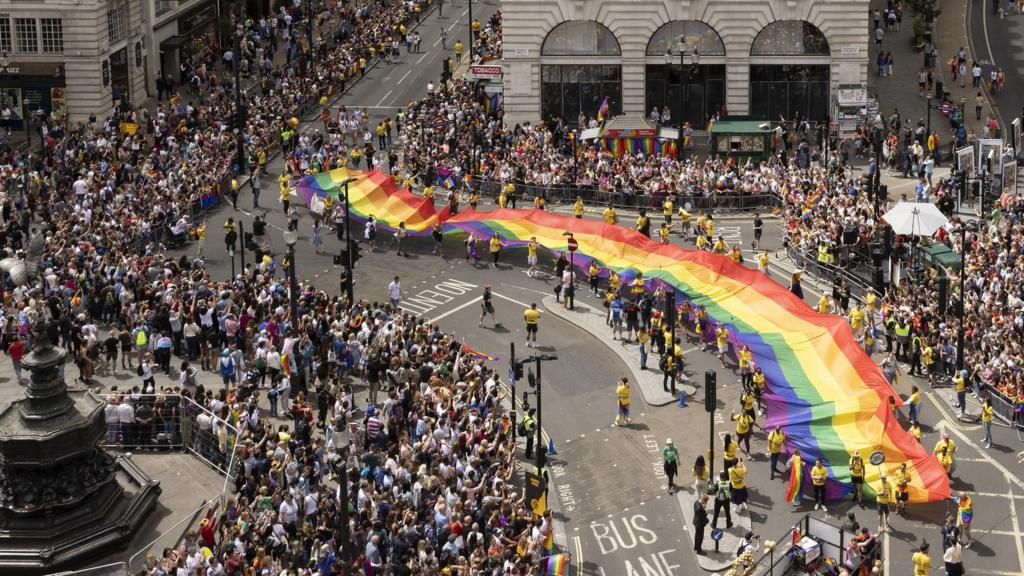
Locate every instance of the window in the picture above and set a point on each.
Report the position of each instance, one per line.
(567, 90)
(693, 33)
(117, 23)
(793, 91)
(53, 34)
(580, 38)
(27, 35)
(790, 38)
(5, 35)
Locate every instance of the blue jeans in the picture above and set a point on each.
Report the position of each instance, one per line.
(773, 460)
(988, 431)
(913, 412)
(643, 356)
(961, 400)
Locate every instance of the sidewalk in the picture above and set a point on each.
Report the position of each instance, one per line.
(900, 91)
(592, 320)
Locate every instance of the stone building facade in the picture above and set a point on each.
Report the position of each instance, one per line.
(760, 57)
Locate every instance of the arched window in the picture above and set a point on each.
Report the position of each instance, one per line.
(694, 33)
(790, 38)
(580, 38)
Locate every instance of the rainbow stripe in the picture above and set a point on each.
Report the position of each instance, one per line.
(796, 479)
(823, 389)
(556, 565)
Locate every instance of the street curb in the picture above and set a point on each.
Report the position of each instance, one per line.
(730, 542)
(590, 319)
(1003, 127)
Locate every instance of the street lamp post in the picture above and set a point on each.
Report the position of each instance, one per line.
(349, 286)
(536, 382)
(291, 236)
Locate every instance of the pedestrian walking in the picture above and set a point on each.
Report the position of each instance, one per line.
(395, 292)
(986, 421)
(776, 438)
(16, 350)
(700, 521)
(487, 306)
(400, 235)
(670, 463)
(883, 496)
(952, 558)
(738, 485)
(532, 317)
(438, 234)
(700, 475)
(495, 249)
(965, 514)
(722, 500)
(922, 562)
(622, 394)
(317, 237)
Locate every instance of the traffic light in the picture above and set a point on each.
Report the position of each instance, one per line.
(531, 379)
(710, 390)
(354, 251)
(342, 258)
(517, 369)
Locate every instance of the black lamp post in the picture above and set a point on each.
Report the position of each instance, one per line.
(349, 247)
(291, 236)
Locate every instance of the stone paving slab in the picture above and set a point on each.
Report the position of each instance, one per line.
(714, 561)
(592, 320)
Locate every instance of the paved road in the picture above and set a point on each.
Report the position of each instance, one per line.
(997, 41)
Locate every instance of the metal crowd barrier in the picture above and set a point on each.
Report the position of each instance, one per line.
(114, 569)
(784, 557)
(176, 425)
(171, 538)
(567, 194)
(826, 272)
(1004, 408)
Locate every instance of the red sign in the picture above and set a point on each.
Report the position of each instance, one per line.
(485, 71)
(572, 244)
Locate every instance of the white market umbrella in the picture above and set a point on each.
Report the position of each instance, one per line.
(915, 218)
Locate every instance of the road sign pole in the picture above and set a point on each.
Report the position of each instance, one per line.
(512, 382)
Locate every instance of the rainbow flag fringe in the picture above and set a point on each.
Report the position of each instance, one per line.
(556, 565)
(822, 388)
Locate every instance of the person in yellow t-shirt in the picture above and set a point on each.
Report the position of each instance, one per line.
(666, 210)
(722, 340)
(577, 208)
(818, 475)
(738, 485)
(857, 321)
(532, 318)
(986, 421)
(922, 562)
(762, 263)
(609, 216)
(594, 276)
(614, 282)
(915, 430)
(638, 284)
(823, 305)
(684, 223)
(729, 449)
(776, 438)
(883, 496)
(531, 256)
(746, 360)
(719, 246)
(663, 233)
(857, 476)
(702, 242)
(622, 393)
(735, 255)
(495, 248)
(743, 425)
(709, 226)
(200, 238)
(960, 387)
(757, 379)
(902, 488)
(945, 450)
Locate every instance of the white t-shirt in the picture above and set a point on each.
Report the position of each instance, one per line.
(395, 290)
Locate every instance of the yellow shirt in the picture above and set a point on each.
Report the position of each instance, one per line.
(747, 400)
(762, 261)
(758, 380)
(666, 208)
(702, 242)
(709, 227)
(735, 255)
(856, 467)
(823, 306)
(684, 215)
(201, 232)
(531, 249)
(614, 283)
(495, 245)
(871, 301)
(730, 451)
(986, 413)
(884, 493)
(922, 564)
(949, 445)
(663, 233)
(577, 208)
(915, 431)
(593, 271)
(428, 192)
(818, 475)
(722, 335)
(623, 392)
(282, 183)
(608, 215)
(745, 358)
(743, 422)
(719, 247)
(856, 317)
(737, 476)
(926, 357)
(775, 441)
(958, 381)
(531, 315)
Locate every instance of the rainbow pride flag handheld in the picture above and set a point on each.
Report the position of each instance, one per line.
(796, 478)
(476, 355)
(549, 543)
(826, 393)
(602, 112)
(556, 565)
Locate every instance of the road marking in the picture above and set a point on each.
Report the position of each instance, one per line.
(1015, 523)
(984, 27)
(1010, 476)
(513, 300)
(405, 76)
(885, 552)
(579, 557)
(456, 309)
(385, 97)
(420, 61)
(947, 419)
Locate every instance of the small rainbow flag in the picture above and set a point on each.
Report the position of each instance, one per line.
(286, 364)
(549, 543)
(602, 112)
(796, 477)
(556, 565)
(476, 355)
(447, 181)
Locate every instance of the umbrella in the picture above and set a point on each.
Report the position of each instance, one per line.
(915, 218)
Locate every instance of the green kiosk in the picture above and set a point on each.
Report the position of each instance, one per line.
(742, 137)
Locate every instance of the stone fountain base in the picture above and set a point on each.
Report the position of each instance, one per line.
(69, 538)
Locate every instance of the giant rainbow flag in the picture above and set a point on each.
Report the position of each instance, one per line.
(823, 389)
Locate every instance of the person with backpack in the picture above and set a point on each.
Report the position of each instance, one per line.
(226, 368)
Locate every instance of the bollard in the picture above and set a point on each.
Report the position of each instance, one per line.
(682, 399)
(551, 446)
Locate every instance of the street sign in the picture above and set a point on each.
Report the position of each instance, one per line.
(572, 244)
(485, 71)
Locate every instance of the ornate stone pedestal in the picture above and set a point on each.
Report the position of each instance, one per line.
(63, 499)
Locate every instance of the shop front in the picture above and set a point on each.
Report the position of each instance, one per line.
(196, 31)
(31, 88)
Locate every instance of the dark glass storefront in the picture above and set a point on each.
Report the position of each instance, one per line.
(790, 91)
(691, 93)
(568, 89)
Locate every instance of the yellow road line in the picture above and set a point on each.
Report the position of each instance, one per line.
(579, 556)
